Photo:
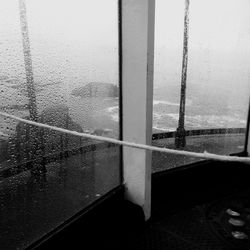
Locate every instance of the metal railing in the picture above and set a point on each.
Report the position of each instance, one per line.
(197, 132)
(93, 146)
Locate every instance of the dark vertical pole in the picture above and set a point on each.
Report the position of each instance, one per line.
(247, 139)
(28, 62)
(180, 139)
(35, 136)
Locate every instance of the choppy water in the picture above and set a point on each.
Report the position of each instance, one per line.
(103, 113)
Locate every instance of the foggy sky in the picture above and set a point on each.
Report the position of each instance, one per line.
(76, 42)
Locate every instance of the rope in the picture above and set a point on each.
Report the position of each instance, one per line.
(204, 155)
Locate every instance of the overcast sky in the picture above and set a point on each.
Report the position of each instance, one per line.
(75, 41)
(219, 43)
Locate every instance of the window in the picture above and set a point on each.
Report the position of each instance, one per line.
(59, 66)
(217, 77)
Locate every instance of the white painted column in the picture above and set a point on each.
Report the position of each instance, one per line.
(137, 97)
(248, 132)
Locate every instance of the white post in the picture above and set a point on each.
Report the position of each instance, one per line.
(137, 97)
(248, 131)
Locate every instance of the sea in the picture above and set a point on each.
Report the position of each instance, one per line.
(203, 109)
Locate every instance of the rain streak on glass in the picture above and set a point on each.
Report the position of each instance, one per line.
(59, 66)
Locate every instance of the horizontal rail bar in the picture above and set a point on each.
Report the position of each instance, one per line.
(24, 166)
(195, 132)
(49, 158)
(204, 155)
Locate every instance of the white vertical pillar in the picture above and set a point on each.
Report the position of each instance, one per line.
(137, 97)
(248, 132)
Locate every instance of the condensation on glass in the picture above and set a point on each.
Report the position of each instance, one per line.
(217, 84)
(59, 66)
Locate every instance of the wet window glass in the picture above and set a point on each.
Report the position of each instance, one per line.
(201, 82)
(59, 66)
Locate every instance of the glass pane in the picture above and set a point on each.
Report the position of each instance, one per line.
(59, 66)
(217, 78)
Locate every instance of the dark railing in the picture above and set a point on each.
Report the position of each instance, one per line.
(197, 132)
(53, 157)
(93, 146)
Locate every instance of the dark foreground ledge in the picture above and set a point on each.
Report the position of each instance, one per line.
(188, 212)
(110, 223)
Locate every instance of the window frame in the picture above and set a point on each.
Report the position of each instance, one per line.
(137, 31)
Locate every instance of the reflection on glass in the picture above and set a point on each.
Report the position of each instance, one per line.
(217, 85)
(59, 67)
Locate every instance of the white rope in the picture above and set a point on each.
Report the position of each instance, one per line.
(204, 155)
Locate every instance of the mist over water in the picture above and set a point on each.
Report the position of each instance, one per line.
(72, 50)
(218, 71)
